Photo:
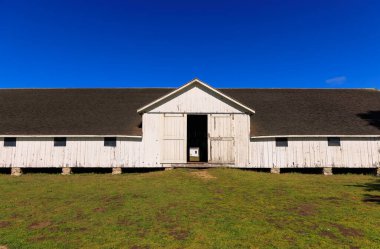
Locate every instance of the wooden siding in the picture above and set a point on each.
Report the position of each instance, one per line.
(173, 132)
(314, 152)
(263, 153)
(195, 100)
(221, 138)
(79, 152)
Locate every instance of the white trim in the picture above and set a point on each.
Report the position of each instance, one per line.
(194, 81)
(305, 136)
(121, 136)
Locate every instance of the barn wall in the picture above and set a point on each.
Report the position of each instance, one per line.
(79, 152)
(259, 153)
(314, 152)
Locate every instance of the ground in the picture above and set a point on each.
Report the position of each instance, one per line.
(216, 208)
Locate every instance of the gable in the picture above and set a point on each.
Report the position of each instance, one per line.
(196, 97)
(195, 100)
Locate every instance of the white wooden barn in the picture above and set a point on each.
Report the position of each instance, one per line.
(194, 125)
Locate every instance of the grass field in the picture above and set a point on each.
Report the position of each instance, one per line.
(216, 208)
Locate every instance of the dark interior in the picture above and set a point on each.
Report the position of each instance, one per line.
(197, 135)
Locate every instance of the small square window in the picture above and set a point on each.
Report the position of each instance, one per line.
(9, 142)
(281, 142)
(333, 141)
(59, 142)
(110, 141)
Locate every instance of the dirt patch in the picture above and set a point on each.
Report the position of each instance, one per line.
(203, 174)
(123, 221)
(179, 234)
(328, 234)
(331, 198)
(348, 231)
(278, 223)
(15, 216)
(139, 196)
(163, 217)
(142, 233)
(80, 215)
(3, 247)
(99, 210)
(37, 239)
(305, 209)
(4, 224)
(40, 225)
(113, 199)
(139, 247)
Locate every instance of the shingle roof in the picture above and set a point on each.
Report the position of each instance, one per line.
(113, 111)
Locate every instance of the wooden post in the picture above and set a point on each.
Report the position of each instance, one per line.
(16, 171)
(378, 171)
(116, 171)
(66, 171)
(327, 171)
(275, 170)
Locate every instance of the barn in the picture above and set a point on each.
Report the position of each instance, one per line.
(194, 125)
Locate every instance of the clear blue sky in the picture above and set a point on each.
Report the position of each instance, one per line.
(265, 43)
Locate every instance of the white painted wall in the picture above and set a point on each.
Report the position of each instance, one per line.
(259, 153)
(354, 152)
(79, 152)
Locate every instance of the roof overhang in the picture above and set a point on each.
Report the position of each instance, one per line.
(196, 81)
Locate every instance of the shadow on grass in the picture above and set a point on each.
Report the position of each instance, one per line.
(370, 187)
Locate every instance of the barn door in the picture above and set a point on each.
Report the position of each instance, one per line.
(173, 138)
(221, 138)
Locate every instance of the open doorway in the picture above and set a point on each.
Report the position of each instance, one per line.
(197, 138)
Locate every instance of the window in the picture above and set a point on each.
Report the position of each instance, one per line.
(333, 141)
(59, 142)
(110, 141)
(9, 142)
(281, 142)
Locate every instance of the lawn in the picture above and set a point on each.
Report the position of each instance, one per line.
(216, 208)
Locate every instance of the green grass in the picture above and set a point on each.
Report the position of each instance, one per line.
(178, 209)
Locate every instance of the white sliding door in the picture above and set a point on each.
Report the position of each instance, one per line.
(221, 138)
(173, 138)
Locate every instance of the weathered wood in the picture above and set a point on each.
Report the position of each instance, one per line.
(314, 152)
(196, 100)
(173, 142)
(221, 138)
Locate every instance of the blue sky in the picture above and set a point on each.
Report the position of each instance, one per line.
(167, 43)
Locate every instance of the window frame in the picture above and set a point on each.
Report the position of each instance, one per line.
(60, 141)
(10, 142)
(110, 142)
(333, 142)
(282, 142)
